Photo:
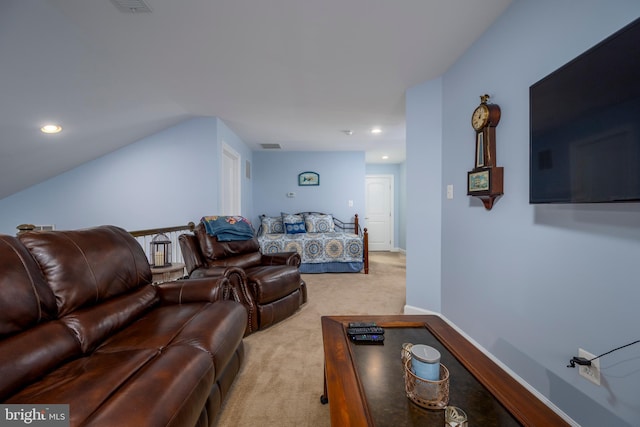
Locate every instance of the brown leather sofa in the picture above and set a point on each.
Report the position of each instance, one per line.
(81, 324)
(269, 286)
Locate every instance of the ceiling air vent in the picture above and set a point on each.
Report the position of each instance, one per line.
(271, 146)
(131, 6)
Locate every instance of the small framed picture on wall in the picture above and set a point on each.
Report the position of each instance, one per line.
(308, 178)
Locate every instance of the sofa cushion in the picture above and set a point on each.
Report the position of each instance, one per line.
(220, 343)
(93, 325)
(84, 267)
(186, 324)
(30, 355)
(172, 389)
(26, 298)
(110, 388)
(155, 330)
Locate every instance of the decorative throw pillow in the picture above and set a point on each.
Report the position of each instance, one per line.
(319, 223)
(272, 225)
(293, 223)
(295, 228)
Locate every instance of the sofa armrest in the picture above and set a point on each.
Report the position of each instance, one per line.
(236, 285)
(282, 258)
(235, 290)
(204, 289)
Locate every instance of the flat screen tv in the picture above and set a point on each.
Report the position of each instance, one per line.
(585, 126)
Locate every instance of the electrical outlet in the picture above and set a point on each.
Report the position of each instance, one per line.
(450, 191)
(592, 372)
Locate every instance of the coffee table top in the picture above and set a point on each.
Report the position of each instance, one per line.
(365, 386)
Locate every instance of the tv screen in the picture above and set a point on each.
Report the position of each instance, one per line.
(585, 126)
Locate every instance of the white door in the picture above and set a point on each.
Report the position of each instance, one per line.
(231, 187)
(379, 211)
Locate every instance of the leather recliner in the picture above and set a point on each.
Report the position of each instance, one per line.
(268, 285)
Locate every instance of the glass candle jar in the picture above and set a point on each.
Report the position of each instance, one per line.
(455, 417)
(425, 362)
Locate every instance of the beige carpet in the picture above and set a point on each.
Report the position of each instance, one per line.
(282, 378)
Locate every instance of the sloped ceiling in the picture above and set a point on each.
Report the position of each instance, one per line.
(292, 72)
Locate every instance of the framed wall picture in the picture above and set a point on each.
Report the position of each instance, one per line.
(308, 178)
(479, 181)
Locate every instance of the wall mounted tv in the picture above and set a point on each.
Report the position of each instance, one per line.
(585, 126)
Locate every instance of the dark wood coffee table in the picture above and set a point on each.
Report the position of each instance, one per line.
(364, 385)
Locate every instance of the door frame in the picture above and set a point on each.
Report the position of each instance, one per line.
(234, 182)
(391, 179)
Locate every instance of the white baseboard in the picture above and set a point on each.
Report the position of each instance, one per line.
(394, 249)
(408, 309)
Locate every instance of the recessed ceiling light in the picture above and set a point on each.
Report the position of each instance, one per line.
(376, 130)
(51, 128)
(385, 157)
(131, 6)
(348, 132)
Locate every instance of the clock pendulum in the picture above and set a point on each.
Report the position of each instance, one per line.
(485, 181)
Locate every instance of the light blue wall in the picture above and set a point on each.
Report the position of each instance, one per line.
(402, 220)
(396, 170)
(531, 283)
(166, 179)
(424, 195)
(342, 176)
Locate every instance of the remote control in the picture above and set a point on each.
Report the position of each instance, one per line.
(362, 324)
(367, 338)
(369, 330)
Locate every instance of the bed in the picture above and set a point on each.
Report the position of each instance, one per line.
(325, 244)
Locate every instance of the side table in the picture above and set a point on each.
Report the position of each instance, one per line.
(165, 274)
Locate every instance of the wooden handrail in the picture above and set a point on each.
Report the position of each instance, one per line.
(138, 233)
(23, 228)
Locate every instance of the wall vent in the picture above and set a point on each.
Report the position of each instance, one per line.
(131, 6)
(271, 146)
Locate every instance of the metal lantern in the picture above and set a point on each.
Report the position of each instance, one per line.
(160, 251)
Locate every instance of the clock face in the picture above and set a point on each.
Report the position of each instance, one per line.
(480, 117)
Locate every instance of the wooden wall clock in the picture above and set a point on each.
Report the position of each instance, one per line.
(485, 181)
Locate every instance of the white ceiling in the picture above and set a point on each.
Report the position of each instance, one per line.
(292, 72)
